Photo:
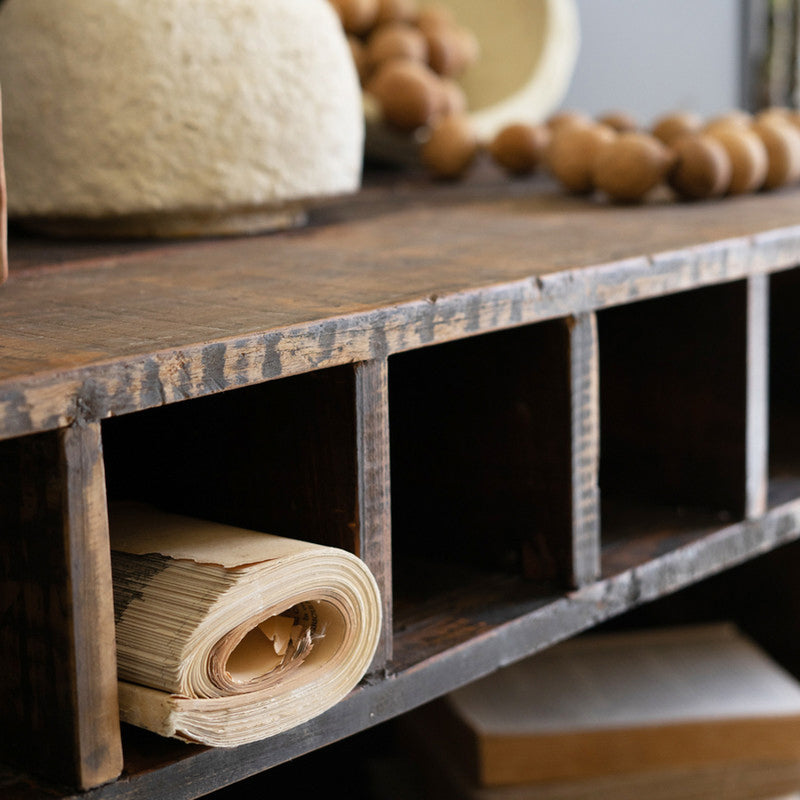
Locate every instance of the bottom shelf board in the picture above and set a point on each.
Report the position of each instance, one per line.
(439, 647)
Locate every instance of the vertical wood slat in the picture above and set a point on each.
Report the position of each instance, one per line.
(756, 434)
(98, 744)
(374, 507)
(585, 442)
(57, 631)
(3, 206)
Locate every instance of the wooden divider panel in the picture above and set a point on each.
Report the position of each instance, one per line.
(757, 432)
(374, 500)
(584, 368)
(57, 656)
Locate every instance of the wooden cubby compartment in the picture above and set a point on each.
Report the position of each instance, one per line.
(481, 472)
(277, 457)
(526, 413)
(673, 418)
(784, 385)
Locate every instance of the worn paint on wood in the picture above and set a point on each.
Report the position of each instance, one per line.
(3, 206)
(403, 319)
(58, 657)
(585, 439)
(756, 391)
(126, 332)
(374, 494)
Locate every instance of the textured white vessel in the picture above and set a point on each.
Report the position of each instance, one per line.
(173, 117)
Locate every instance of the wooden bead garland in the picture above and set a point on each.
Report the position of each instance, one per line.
(732, 154)
(408, 58)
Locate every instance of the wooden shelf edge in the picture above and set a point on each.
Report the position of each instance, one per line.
(384, 699)
(57, 398)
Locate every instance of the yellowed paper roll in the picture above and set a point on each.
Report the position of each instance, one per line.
(226, 636)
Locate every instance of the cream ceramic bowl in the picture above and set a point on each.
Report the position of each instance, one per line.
(528, 54)
(176, 117)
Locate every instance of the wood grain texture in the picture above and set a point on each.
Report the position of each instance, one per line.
(58, 656)
(3, 206)
(94, 671)
(674, 400)
(585, 439)
(508, 631)
(757, 393)
(481, 454)
(784, 374)
(279, 457)
(374, 494)
(462, 327)
(135, 329)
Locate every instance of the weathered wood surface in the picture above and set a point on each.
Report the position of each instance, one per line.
(447, 644)
(585, 440)
(373, 522)
(757, 397)
(673, 403)
(784, 371)
(109, 334)
(59, 688)
(481, 454)
(278, 458)
(3, 206)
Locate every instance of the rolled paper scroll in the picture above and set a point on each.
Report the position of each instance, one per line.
(225, 635)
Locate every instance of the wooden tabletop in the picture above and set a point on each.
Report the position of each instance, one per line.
(99, 328)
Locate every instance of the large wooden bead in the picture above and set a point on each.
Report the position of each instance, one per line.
(782, 141)
(627, 168)
(571, 153)
(748, 155)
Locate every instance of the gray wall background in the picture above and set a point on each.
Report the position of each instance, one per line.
(652, 56)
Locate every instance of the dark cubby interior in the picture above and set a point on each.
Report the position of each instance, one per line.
(784, 385)
(673, 393)
(277, 457)
(480, 458)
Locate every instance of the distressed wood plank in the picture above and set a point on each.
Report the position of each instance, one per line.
(3, 206)
(585, 403)
(757, 378)
(131, 331)
(58, 655)
(374, 496)
(430, 658)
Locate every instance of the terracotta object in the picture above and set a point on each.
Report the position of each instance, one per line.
(162, 117)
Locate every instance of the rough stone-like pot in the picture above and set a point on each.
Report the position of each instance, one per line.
(176, 117)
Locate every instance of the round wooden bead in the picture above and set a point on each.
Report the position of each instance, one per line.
(451, 147)
(571, 152)
(748, 155)
(670, 127)
(782, 141)
(702, 167)
(631, 165)
(519, 148)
